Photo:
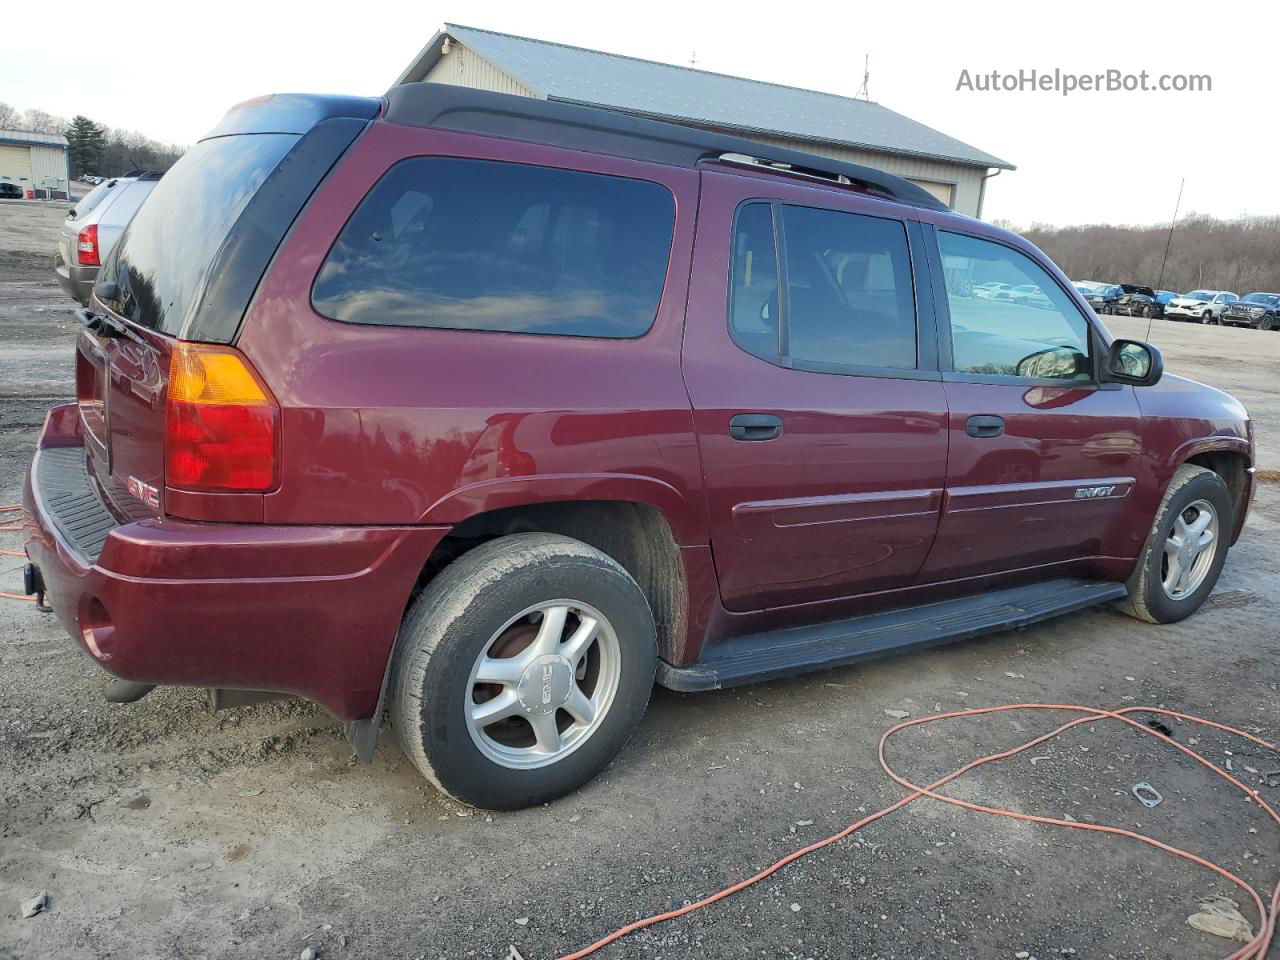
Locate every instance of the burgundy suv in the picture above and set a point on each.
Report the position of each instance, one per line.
(488, 412)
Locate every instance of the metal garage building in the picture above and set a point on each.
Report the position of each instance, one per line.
(35, 161)
(859, 131)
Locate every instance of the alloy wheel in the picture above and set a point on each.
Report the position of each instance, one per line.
(543, 684)
(1189, 550)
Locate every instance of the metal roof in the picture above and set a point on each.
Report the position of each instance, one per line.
(556, 71)
(34, 138)
(448, 106)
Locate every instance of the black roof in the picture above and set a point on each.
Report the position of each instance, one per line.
(464, 110)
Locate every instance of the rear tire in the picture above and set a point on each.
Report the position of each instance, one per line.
(556, 637)
(1196, 500)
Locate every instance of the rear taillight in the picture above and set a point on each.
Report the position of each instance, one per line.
(220, 427)
(87, 247)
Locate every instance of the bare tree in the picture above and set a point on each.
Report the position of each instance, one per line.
(1241, 255)
(8, 116)
(41, 121)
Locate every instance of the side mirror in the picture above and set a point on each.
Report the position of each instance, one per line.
(1133, 362)
(1056, 363)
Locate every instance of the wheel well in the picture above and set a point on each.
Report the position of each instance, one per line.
(1233, 468)
(636, 535)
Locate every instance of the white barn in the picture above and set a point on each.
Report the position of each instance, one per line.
(858, 131)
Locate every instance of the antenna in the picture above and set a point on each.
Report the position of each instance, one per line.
(866, 78)
(693, 58)
(1169, 242)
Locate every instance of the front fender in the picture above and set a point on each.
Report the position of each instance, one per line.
(1198, 445)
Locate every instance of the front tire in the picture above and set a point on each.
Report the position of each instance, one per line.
(1185, 550)
(522, 670)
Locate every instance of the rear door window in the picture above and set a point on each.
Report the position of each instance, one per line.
(162, 261)
(850, 298)
(485, 245)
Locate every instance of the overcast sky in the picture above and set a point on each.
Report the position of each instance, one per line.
(173, 68)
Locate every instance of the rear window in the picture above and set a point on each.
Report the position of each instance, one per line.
(485, 245)
(90, 200)
(124, 206)
(163, 258)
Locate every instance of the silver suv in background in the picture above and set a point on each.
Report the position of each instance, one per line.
(93, 225)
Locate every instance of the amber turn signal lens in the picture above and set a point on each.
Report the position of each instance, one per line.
(220, 426)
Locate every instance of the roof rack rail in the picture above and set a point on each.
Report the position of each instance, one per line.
(595, 129)
(743, 160)
(811, 173)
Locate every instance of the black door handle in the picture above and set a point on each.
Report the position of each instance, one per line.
(985, 426)
(755, 426)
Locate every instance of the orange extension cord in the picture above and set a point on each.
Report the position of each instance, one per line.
(1255, 949)
(5, 509)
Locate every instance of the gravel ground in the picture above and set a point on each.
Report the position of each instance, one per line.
(160, 830)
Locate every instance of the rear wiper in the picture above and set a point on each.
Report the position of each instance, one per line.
(101, 323)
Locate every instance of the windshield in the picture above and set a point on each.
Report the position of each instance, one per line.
(1198, 295)
(163, 258)
(1269, 299)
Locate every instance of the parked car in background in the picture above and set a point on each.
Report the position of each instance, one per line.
(1260, 310)
(299, 461)
(993, 291)
(1135, 300)
(10, 191)
(1103, 297)
(92, 227)
(1202, 306)
(1029, 295)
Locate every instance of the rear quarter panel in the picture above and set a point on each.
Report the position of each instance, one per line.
(393, 425)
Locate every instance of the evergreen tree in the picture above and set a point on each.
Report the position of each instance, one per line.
(87, 142)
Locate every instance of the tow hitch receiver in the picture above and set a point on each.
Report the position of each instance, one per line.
(33, 583)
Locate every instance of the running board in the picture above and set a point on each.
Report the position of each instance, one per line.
(780, 653)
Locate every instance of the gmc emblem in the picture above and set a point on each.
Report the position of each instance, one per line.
(1088, 493)
(150, 495)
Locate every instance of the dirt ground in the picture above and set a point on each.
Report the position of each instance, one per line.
(160, 830)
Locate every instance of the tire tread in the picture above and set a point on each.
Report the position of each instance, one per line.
(1139, 583)
(446, 600)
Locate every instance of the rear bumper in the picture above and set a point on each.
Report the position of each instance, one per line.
(76, 281)
(304, 610)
